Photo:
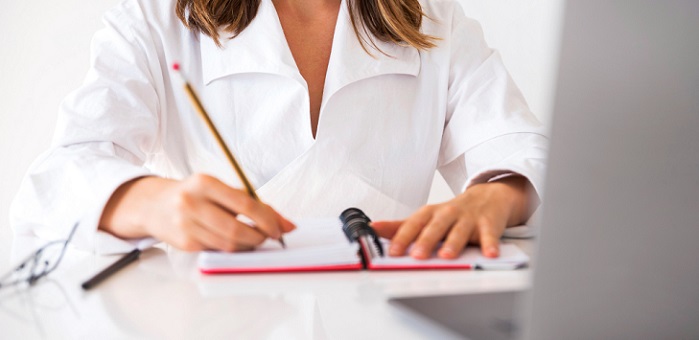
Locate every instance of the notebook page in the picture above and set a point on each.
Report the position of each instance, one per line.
(316, 242)
(510, 257)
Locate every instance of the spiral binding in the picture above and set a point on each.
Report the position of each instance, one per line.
(355, 224)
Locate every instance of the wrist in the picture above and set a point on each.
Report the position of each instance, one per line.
(126, 213)
(522, 195)
(511, 194)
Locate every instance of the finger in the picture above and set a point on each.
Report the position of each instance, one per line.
(239, 202)
(489, 237)
(457, 239)
(225, 226)
(197, 238)
(266, 219)
(386, 229)
(244, 237)
(231, 244)
(287, 225)
(434, 231)
(408, 231)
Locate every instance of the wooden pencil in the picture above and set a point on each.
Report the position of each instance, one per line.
(219, 140)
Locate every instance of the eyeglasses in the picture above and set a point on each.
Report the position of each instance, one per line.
(39, 264)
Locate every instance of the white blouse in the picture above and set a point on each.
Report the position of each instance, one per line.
(387, 121)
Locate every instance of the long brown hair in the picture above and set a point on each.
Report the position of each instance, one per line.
(396, 21)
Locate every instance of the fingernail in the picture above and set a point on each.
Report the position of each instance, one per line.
(492, 251)
(395, 250)
(447, 251)
(419, 252)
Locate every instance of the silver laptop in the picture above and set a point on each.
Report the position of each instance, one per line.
(618, 250)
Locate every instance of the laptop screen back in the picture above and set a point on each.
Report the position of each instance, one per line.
(619, 247)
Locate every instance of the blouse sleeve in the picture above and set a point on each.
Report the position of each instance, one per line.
(105, 132)
(489, 130)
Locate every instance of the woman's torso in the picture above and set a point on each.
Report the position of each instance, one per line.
(380, 123)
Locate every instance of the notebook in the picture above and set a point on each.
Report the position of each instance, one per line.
(347, 243)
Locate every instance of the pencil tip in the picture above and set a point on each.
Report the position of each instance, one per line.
(281, 241)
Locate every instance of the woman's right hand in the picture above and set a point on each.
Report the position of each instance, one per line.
(198, 213)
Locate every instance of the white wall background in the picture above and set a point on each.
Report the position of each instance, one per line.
(44, 51)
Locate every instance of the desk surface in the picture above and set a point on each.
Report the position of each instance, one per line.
(164, 296)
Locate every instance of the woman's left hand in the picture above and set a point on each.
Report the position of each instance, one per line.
(478, 216)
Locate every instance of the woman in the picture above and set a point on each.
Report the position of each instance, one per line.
(326, 104)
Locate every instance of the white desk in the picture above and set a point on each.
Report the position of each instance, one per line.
(163, 296)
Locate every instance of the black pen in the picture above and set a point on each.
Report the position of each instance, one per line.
(113, 268)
